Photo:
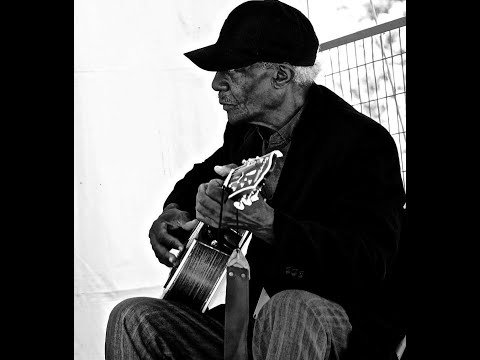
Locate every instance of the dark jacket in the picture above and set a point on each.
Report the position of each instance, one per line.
(338, 207)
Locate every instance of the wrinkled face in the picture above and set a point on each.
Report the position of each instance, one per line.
(245, 93)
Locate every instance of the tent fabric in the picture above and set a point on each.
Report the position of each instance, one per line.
(143, 114)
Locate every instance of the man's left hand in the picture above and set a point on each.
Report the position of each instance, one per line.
(257, 218)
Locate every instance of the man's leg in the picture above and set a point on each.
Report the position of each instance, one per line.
(296, 324)
(147, 328)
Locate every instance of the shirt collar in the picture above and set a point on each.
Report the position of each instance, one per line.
(284, 134)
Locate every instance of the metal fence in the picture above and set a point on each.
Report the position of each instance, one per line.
(367, 69)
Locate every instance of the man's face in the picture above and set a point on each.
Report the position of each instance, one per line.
(246, 93)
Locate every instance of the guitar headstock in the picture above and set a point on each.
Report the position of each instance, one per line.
(245, 182)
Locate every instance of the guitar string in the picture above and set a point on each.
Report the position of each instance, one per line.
(200, 281)
(221, 213)
(197, 283)
(238, 231)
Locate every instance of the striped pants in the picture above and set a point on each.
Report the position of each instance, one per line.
(293, 324)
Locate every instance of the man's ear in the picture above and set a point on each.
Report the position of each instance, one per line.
(283, 75)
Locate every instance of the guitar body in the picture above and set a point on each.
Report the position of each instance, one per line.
(202, 266)
(203, 263)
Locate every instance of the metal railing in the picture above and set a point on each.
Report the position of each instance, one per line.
(367, 69)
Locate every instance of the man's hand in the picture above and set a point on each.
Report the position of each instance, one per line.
(161, 240)
(257, 218)
(224, 170)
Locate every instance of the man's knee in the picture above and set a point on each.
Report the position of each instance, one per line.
(131, 312)
(301, 301)
(297, 321)
(124, 309)
(303, 310)
(291, 302)
(284, 307)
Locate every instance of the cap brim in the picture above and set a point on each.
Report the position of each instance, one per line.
(211, 58)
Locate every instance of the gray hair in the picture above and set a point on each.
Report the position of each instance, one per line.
(304, 75)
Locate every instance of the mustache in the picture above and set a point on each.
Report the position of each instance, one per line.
(225, 99)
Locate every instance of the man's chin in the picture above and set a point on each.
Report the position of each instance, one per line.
(234, 118)
(232, 121)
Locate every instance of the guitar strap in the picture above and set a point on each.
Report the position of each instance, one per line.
(237, 294)
(236, 314)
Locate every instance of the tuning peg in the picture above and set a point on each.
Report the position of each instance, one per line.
(247, 200)
(239, 205)
(254, 196)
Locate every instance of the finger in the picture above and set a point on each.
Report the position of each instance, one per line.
(224, 170)
(233, 217)
(207, 220)
(205, 205)
(162, 254)
(215, 190)
(181, 219)
(169, 240)
(189, 225)
(173, 258)
(209, 212)
(162, 243)
(215, 183)
(202, 188)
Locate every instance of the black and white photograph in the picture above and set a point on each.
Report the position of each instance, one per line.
(240, 180)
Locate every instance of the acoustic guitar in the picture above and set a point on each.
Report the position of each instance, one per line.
(202, 265)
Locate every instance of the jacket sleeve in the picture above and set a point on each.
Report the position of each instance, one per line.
(185, 190)
(349, 244)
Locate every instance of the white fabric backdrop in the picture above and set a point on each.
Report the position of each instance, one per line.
(143, 115)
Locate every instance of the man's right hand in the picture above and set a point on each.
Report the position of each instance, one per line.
(162, 242)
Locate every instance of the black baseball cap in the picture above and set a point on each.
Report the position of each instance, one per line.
(255, 31)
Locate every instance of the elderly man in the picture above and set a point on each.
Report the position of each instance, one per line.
(326, 233)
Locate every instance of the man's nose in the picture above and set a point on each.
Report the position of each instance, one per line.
(219, 82)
